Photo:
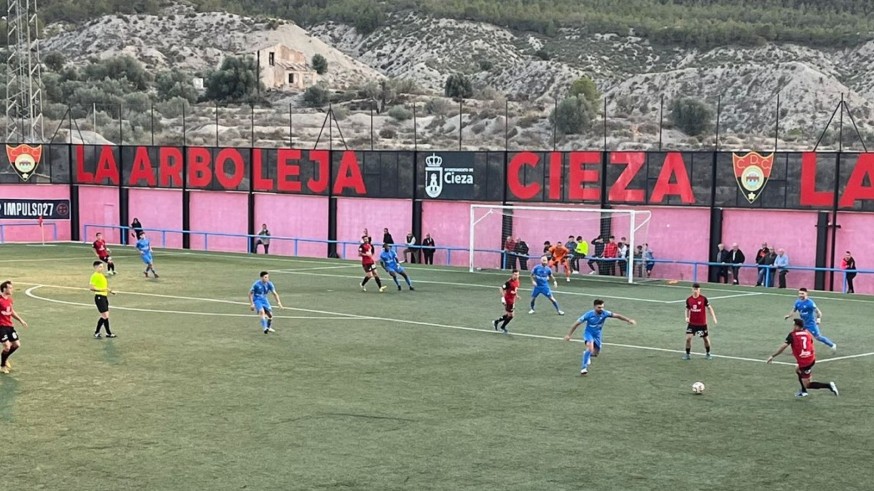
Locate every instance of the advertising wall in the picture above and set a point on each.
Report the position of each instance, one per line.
(26, 228)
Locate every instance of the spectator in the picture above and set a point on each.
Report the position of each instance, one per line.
(848, 264)
(638, 261)
(581, 252)
(611, 250)
(722, 257)
(735, 258)
(522, 253)
(509, 253)
(136, 227)
(599, 251)
(771, 271)
(263, 239)
(622, 255)
(428, 249)
(781, 262)
(410, 251)
(649, 257)
(366, 236)
(386, 237)
(761, 255)
(571, 245)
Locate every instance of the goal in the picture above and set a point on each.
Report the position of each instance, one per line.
(490, 225)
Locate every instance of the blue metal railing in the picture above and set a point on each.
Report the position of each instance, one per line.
(52, 225)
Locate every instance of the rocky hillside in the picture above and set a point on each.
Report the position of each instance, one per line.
(529, 70)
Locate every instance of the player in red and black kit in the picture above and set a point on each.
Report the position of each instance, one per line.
(696, 320)
(102, 252)
(508, 297)
(8, 336)
(365, 251)
(805, 354)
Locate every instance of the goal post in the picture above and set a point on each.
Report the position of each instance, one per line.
(490, 225)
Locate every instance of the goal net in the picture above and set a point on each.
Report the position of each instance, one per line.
(491, 225)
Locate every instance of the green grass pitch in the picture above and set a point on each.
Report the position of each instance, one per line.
(412, 390)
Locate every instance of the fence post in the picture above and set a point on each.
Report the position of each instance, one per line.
(460, 119)
(661, 120)
(152, 121)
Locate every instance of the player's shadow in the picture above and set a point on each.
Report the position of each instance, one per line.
(110, 353)
(8, 393)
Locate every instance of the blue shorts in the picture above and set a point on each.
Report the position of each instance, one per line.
(541, 290)
(592, 337)
(813, 328)
(262, 305)
(147, 258)
(396, 269)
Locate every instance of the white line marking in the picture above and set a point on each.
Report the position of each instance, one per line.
(404, 321)
(845, 357)
(29, 293)
(751, 294)
(474, 285)
(320, 268)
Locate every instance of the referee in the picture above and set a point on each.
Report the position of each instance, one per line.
(100, 287)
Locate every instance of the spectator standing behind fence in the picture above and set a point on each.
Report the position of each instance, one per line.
(781, 262)
(622, 255)
(386, 237)
(611, 250)
(522, 253)
(736, 258)
(649, 257)
(410, 251)
(571, 245)
(761, 255)
(772, 270)
(509, 253)
(263, 239)
(723, 258)
(581, 252)
(136, 227)
(598, 242)
(848, 264)
(428, 249)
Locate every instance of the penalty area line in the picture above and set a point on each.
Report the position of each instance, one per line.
(750, 294)
(861, 355)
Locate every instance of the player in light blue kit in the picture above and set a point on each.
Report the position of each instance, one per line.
(594, 321)
(144, 245)
(389, 260)
(540, 276)
(811, 315)
(258, 301)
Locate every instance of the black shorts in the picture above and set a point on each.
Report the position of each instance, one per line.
(700, 331)
(509, 307)
(8, 334)
(368, 268)
(806, 371)
(102, 303)
(106, 259)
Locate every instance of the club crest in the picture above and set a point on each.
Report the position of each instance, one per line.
(24, 159)
(433, 175)
(752, 172)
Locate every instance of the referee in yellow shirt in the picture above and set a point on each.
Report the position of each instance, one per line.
(100, 287)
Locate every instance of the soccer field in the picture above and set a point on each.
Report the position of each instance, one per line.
(413, 390)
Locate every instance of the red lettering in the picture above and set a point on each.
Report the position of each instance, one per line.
(142, 168)
(170, 167)
(809, 195)
(856, 189)
(673, 180)
(232, 181)
(107, 167)
(579, 176)
(619, 191)
(323, 159)
(286, 169)
(82, 175)
(259, 182)
(198, 167)
(521, 191)
(555, 162)
(349, 175)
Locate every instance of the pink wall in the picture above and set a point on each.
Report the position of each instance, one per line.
(794, 231)
(219, 211)
(294, 216)
(354, 215)
(31, 233)
(448, 222)
(158, 208)
(98, 205)
(673, 233)
(855, 236)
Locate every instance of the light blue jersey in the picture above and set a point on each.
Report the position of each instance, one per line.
(594, 323)
(389, 260)
(144, 245)
(807, 311)
(259, 293)
(541, 275)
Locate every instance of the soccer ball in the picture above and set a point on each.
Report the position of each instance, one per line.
(698, 388)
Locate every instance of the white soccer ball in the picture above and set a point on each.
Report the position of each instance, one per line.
(698, 388)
